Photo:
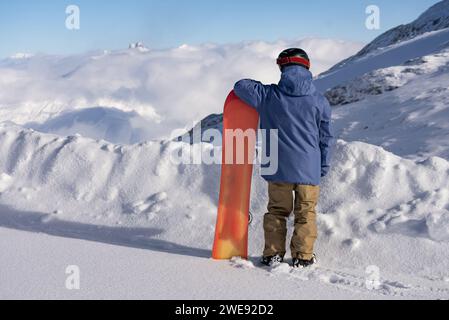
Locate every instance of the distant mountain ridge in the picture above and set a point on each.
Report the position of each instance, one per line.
(434, 19)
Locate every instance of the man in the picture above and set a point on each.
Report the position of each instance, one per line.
(302, 117)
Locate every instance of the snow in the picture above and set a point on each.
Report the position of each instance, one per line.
(134, 196)
(87, 176)
(434, 19)
(411, 120)
(388, 79)
(110, 271)
(139, 183)
(5, 181)
(367, 176)
(393, 55)
(127, 271)
(438, 225)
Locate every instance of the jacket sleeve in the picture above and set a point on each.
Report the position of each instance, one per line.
(326, 137)
(251, 92)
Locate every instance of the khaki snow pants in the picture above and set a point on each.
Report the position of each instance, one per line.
(281, 204)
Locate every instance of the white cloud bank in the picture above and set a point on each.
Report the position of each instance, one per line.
(170, 89)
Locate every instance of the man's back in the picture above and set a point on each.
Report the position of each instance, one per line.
(302, 117)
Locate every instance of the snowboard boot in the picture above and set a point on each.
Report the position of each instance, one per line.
(300, 263)
(272, 260)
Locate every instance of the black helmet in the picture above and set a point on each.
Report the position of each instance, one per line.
(293, 56)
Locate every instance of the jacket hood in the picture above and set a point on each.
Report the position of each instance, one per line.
(297, 81)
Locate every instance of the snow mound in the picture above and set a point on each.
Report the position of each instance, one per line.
(409, 118)
(376, 207)
(370, 189)
(438, 224)
(369, 192)
(5, 181)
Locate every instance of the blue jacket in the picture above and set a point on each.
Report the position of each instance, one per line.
(302, 116)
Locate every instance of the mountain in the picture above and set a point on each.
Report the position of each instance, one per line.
(403, 109)
(394, 92)
(385, 57)
(434, 19)
(391, 60)
(388, 79)
(140, 46)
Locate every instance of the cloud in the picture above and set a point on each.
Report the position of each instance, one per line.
(169, 88)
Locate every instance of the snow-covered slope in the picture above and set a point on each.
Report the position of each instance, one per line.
(434, 19)
(76, 187)
(393, 55)
(109, 271)
(409, 122)
(403, 109)
(168, 89)
(141, 184)
(394, 92)
(388, 79)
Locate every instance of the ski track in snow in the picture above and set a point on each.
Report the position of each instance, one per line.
(347, 280)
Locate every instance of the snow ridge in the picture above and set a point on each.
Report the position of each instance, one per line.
(94, 182)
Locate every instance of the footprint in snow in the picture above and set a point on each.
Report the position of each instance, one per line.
(240, 263)
(351, 244)
(342, 280)
(151, 206)
(5, 181)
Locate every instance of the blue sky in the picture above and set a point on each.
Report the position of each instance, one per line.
(34, 26)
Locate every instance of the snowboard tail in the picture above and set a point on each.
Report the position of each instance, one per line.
(231, 234)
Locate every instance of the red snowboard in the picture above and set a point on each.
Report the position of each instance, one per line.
(231, 234)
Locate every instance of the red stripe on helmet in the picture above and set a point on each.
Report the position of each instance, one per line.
(296, 60)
